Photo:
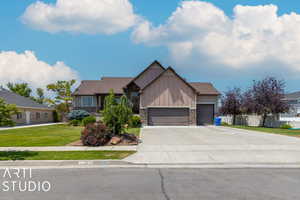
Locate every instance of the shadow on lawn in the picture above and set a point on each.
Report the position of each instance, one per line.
(16, 155)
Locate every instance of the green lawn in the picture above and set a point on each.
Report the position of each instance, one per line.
(288, 132)
(55, 135)
(64, 155)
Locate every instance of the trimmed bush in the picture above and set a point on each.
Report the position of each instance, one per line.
(286, 126)
(95, 134)
(74, 122)
(78, 114)
(135, 121)
(88, 120)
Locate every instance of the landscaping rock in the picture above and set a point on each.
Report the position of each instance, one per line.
(115, 140)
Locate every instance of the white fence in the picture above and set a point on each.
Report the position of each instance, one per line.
(256, 120)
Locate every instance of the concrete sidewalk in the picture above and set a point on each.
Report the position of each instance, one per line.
(71, 148)
(29, 126)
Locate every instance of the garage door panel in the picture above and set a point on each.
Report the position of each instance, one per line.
(168, 116)
(205, 114)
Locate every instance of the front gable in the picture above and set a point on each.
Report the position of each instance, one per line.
(149, 74)
(168, 90)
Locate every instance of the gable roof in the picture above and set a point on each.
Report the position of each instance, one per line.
(172, 70)
(20, 101)
(292, 96)
(205, 88)
(103, 86)
(144, 71)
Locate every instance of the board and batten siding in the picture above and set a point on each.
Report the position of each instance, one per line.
(149, 75)
(168, 91)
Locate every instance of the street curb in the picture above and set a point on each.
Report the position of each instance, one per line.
(81, 164)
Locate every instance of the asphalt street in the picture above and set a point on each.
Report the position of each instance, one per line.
(150, 184)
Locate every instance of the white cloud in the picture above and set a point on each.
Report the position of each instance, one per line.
(254, 36)
(81, 16)
(25, 67)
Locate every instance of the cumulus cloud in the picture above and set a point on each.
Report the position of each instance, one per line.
(25, 67)
(81, 16)
(254, 36)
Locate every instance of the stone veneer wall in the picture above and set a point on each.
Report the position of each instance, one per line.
(143, 115)
(193, 117)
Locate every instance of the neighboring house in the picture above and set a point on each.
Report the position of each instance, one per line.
(159, 95)
(294, 100)
(31, 112)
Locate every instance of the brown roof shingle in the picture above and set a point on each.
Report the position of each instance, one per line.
(205, 88)
(103, 86)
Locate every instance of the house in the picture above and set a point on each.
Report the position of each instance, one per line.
(31, 112)
(159, 95)
(293, 100)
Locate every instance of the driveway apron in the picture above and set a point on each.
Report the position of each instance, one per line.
(214, 145)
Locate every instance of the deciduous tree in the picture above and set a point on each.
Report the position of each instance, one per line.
(22, 89)
(268, 97)
(232, 103)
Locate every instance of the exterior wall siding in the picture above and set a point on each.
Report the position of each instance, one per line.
(168, 91)
(149, 75)
(44, 116)
(206, 99)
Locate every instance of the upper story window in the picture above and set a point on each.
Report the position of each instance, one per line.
(87, 101)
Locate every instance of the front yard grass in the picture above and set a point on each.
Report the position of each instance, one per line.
(64, 155)
(54, 135)
(288, 132)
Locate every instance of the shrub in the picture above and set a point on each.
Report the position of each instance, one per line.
(78, 114)
(224, 124)
(88, 120)
(6, 112)
(95, 134)
(74, 122)
(286, 126)
(56, 117)
(135, 121)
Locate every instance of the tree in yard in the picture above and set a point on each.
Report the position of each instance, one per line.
(22, 89)
(63, 96)
(40, 96)
(6, 111)
(268, 97)
(232, 103)
(248, 104)
(116, 114)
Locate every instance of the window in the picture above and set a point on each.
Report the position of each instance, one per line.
(46, 115)
(38, 115)
(19, 116)
(134, 94)
(87, 101)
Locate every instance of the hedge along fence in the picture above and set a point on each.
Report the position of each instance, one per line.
(254, 120)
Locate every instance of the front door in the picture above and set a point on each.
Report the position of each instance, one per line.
(205, 114)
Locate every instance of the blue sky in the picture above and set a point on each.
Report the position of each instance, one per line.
(96, 55)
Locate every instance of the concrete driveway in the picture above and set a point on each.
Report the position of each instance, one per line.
(214, 145)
